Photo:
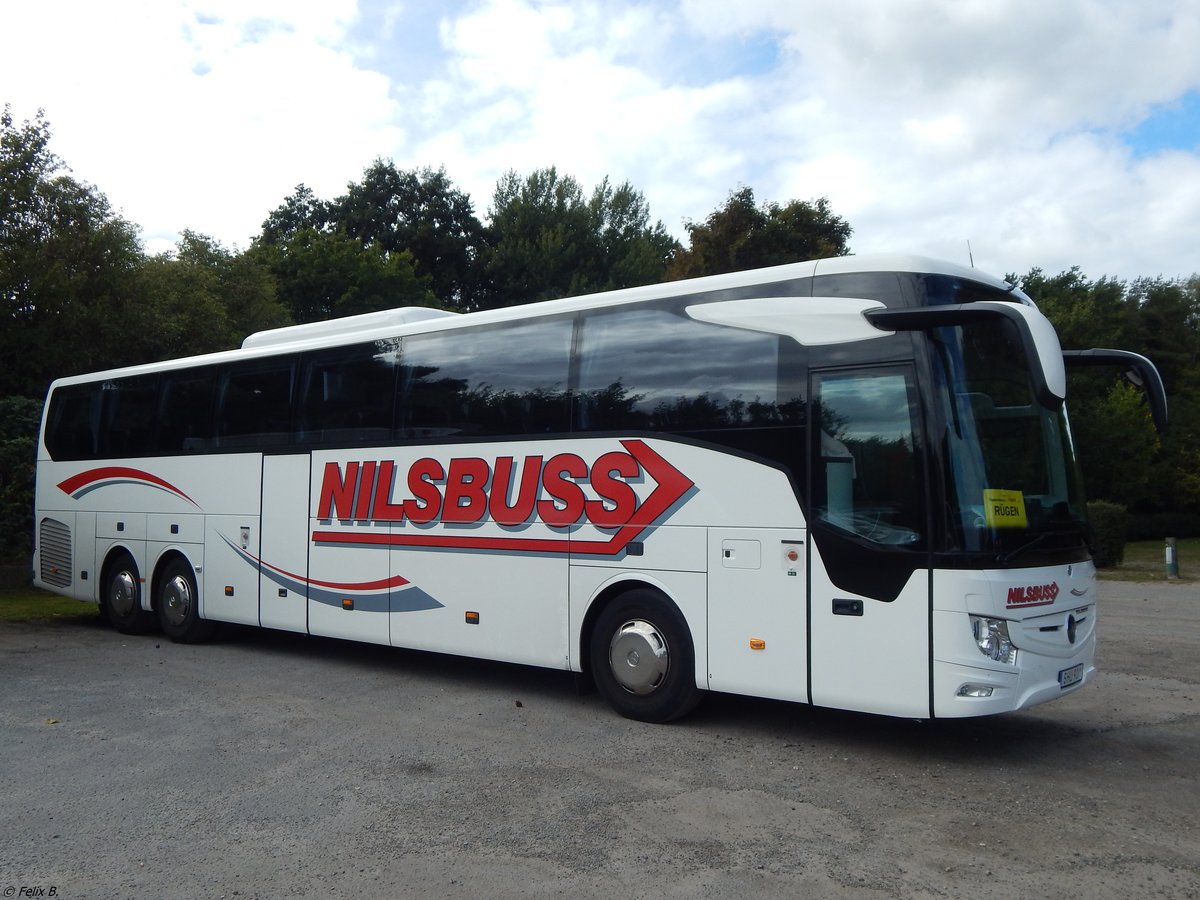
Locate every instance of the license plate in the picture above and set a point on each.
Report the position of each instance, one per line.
(1068, 677)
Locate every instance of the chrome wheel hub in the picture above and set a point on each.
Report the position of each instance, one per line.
(638, 657)
(177, 600)
(122, 595)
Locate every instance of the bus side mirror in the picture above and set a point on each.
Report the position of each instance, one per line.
(1139, 371)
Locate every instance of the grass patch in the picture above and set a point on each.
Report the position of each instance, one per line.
(1146, 561)
(29, 604)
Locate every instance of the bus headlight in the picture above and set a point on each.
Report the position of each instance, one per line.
(991, 636)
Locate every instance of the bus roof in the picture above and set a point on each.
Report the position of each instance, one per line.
(409, 320)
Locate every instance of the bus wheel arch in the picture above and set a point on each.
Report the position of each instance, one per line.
(176, 600)
(121, 587)
(640, 652)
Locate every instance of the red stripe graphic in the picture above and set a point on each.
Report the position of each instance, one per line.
(382, 584)
(76, 484)
(395, 581)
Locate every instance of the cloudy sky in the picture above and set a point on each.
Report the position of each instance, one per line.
(1048, 133)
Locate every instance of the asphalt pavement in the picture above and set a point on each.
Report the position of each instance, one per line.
(273, 765)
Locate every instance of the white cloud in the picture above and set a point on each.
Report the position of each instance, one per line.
(205, 115)
(567, 85)
(926, 123)
(992, 122)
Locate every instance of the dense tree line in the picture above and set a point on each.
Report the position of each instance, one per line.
(1124, 460)
(79, 293)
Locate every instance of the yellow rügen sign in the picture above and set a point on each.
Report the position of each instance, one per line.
(1004, 509)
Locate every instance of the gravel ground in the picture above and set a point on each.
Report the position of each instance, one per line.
(273, 765)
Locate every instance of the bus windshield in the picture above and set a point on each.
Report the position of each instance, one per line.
(1013, 480)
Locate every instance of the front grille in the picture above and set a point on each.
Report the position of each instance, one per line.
(54, 544)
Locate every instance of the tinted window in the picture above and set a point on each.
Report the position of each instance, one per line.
(659, 369)
(867, 479)
(255, 405)
(130, 407)
(349, 394)
(494, 381)
(185, 411)
(73, 422)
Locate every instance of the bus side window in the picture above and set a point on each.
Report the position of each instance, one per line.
(255, 405)
(348, 393)
(185, 401)
(128, 422)
(74, 421)
(658, 369)
(506, 380)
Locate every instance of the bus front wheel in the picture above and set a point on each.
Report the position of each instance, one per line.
(178, 605)
(642, 657)
(122, 600)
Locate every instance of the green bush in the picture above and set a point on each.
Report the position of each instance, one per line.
(19, 417)
(1110, 529)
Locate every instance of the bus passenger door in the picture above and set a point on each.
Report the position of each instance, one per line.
(283, 566)
(349, 567)
(869, 602)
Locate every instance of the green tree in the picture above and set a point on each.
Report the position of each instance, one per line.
(1167, 326)
(1123, 459)
(302, 209)
(633, 251)
(1085, 313)
(1167, 329)
(325, 275)
(546, 239)
(19, 418)
(67, 266)
(743, 235)
(418, 212)
(1118, 446)
(204, 298)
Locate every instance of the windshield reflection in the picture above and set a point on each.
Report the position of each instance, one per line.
(1013, 476)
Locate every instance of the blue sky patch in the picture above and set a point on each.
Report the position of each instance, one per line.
(703, 61)
(1170, 126)
(406, 46)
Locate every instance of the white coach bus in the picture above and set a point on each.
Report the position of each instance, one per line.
(847, 482)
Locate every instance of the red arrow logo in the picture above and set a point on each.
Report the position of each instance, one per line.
(671, 486)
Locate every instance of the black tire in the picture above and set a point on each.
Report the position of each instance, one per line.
(642, 657)
(121, 603)
(177, 602)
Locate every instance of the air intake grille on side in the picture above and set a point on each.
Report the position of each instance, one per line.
(55, 545)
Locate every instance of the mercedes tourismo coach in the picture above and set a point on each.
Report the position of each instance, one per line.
(847, 482)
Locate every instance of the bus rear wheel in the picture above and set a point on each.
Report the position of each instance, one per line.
(178, 605)
(122, 600)
(642, 658)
